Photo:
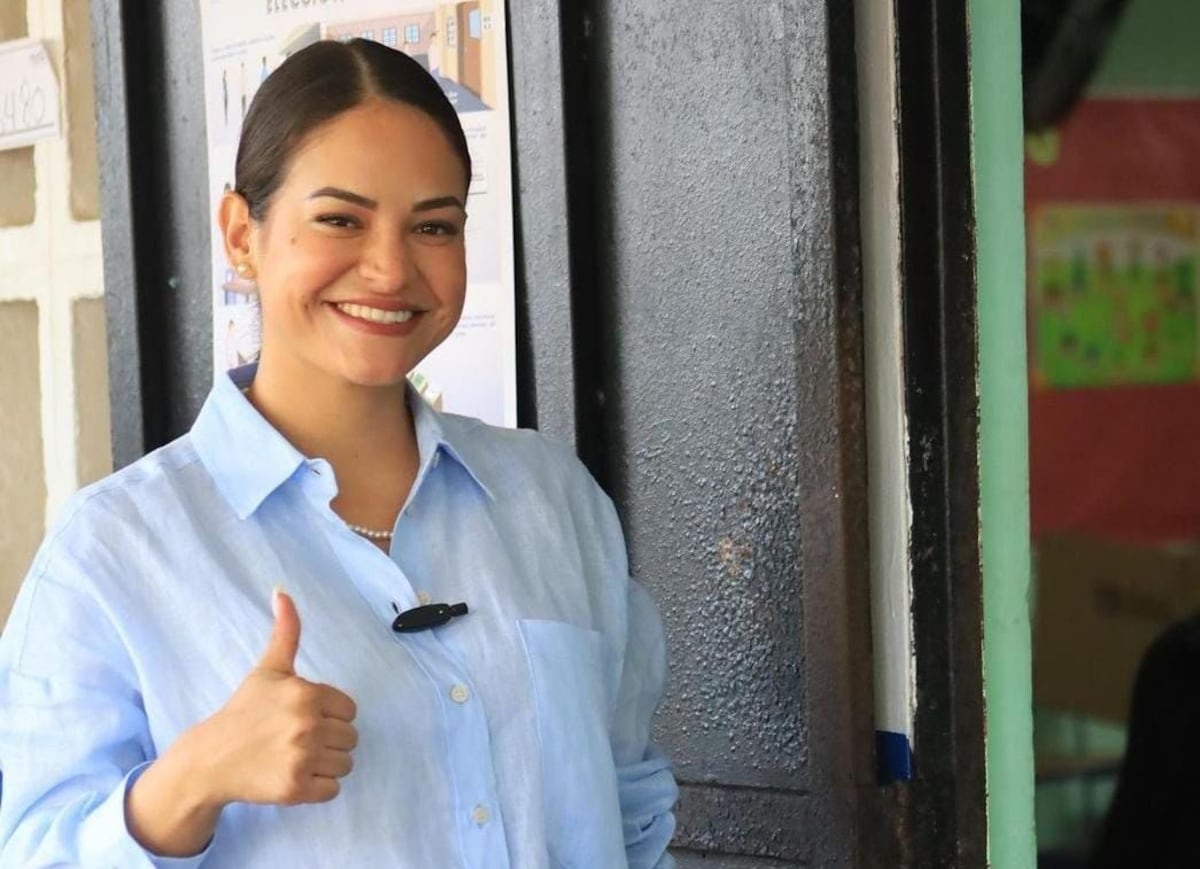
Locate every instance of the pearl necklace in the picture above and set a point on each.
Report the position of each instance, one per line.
(369, 532)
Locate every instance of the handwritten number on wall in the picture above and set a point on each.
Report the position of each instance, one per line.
(22, 107)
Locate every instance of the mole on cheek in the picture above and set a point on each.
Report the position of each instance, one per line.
(292, 240)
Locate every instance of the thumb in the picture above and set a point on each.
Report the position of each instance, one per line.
(280, 655)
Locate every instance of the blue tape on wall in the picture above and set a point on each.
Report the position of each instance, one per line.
(893, 757)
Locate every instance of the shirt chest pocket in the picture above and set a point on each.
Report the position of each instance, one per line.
(569, 668)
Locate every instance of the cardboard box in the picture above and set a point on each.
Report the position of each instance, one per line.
(1099, 605)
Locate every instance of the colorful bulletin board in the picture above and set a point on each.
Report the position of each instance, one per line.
(1113, 297)
(1112, 222)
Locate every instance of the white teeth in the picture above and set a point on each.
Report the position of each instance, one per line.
(375, 315)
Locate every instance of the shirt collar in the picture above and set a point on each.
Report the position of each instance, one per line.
(249, 459)
(438, 432)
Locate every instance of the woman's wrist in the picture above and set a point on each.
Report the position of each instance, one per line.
(173, 808)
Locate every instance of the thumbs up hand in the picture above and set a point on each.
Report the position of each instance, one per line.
(279, 740)
(286, 740)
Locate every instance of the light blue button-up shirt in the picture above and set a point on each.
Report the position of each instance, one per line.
(515, 736)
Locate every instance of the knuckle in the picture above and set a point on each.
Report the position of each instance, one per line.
(322, 790)
(336, 700)
(299, 768)
(296, 694)
(304, 728)
(292, 791)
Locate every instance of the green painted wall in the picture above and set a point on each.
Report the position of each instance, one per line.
(1003, 442)
(1153, 50)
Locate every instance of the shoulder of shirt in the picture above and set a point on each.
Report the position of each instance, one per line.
(134, 482)
(88, 528)
(504, 457)
(521, 466)
(486, 442)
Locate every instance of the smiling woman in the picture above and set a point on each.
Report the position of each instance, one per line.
(142, 723)
(343, 248)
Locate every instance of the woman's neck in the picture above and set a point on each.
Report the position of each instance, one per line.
(365, 433)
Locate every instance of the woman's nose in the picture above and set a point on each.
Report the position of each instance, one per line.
(385, 263)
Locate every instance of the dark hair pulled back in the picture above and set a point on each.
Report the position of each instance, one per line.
(315, 85)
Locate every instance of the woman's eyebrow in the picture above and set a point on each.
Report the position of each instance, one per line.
(439, 202)
(345, 195)
(366, 202)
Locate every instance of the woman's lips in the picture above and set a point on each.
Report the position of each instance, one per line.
(375, 320)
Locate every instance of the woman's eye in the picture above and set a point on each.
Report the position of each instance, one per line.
(437, 228)
(338, 221)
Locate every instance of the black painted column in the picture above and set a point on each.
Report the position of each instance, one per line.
(727, 314)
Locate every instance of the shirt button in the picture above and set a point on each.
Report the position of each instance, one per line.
(423, 598)
(459, 693)
(481, 815)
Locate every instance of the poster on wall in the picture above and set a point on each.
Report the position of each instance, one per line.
(1113, 294)
(1112, 199)
(464, 46)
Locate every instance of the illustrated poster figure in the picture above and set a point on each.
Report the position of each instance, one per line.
(435, 55)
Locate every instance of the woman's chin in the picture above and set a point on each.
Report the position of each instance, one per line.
(379, 380)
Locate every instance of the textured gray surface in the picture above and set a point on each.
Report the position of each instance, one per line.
(703, 860)
(183, 276)
(724, 399)
(704, 394)
(155, 218)
(116, 226)
(539, 158)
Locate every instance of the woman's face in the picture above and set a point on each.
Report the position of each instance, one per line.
(359, 259)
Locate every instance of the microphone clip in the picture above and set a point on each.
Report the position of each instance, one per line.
(423, 618)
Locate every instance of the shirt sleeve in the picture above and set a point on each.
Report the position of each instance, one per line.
(645, 784)
(73, 734)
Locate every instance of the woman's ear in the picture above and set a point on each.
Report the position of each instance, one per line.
(237, 226)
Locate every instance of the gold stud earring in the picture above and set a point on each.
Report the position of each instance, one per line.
(243, 270)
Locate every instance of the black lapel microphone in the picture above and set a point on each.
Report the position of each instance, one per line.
(423, 618)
